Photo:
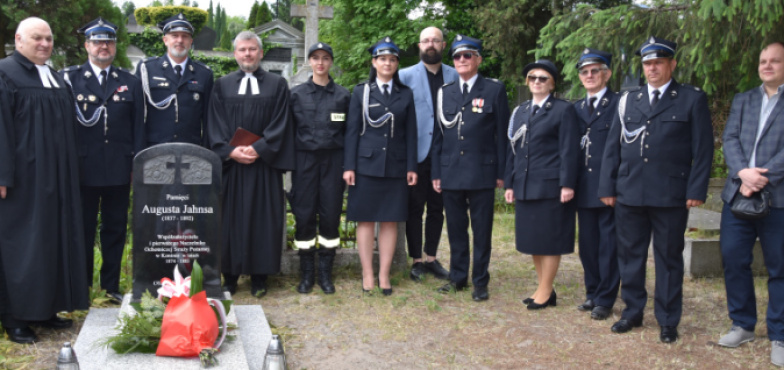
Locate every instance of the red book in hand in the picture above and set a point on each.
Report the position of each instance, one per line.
(243, 137)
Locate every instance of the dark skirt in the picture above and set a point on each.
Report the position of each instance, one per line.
(544, 227)
(377, 199)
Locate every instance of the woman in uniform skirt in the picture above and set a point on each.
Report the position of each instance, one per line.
(541, 174)
(380, 160)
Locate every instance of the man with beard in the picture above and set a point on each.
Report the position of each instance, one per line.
(176, 88)
(110, 109)
(425, 78)
(253, 200)
(41, 247)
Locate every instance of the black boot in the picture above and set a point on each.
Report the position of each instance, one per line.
(230, 283)
(326, 258)
(307, 267)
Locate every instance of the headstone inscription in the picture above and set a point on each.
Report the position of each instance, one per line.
(176, 216)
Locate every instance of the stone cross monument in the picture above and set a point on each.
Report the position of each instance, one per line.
(312, 12)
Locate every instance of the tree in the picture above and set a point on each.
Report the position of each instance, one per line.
(210, 17)
(252, 17)
(220, 24)
(264, 14)
(127, 8)
(283, 12)
(62, 16)
(186, 3)
(358, 24)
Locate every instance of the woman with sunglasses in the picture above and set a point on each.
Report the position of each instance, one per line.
(541, 174)
(380, 160)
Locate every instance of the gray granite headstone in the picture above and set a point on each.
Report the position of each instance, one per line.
(176, 216)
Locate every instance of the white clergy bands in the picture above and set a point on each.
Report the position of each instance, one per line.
(254, 84)
(519, 134)
(366, 120)
(161, 105)
(627, 136)
(46, 77)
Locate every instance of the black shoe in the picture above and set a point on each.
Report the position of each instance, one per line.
(258, 285)
(418, 271)
(326, 259)
(528, 301)
(231, 288)
(452, 287)
(386, 292)
(21, 335)
(586, 306)
(625, 325)
(436, 270)
(230, 283)
(115, 297)
(54, 323)
(669, 334)
(307, 270)
(550, 302)
(601, 312)
(480, 294)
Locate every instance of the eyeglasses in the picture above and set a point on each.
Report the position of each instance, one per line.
(102, 42)
(592, 71)
(466, 56)
(431, 41)
(541, 79)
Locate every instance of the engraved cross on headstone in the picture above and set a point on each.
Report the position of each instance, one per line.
(178, 165)
(312, 12)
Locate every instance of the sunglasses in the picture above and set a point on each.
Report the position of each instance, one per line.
(541, 79)
(592, 71)
(466, 56)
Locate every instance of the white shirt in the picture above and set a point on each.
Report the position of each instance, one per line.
(598, 96)
(97, 70)
(183, 64)
(661, 89)
(471, 81)
(539, 103)
(381, 86)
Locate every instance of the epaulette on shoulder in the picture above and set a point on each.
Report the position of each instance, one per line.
(196, 62)
(494, 80)
(691, 87)
(72, 68)
(149, 59)
(635, 88)
(362, 83)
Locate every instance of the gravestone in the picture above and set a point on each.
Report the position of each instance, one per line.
(312, 12)
(176, 216)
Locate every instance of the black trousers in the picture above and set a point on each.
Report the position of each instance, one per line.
(317, 193)
(113, 202)
(635, 226)
(598, 254)
(420, 195)
(458, 205)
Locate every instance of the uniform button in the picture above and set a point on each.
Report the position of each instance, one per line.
(383, 148)
(646, 146)
(385, 108)
(463, 108)
(525, 170)
(645, 160)
(526, 156)
(590, 170)
(385, 135)
(649, 122)
(673, 117)
(647, 134)
(461, 138)
(106, 141)
(461, 152)
(589, 156)
(175, 136)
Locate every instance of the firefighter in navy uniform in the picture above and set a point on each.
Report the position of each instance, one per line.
(469, 157)
(176, 88)
(656, 166)
(110, 132)
(319, 107)
(596, 221)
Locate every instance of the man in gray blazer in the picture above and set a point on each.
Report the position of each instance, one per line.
(754, 151)
(425, 78)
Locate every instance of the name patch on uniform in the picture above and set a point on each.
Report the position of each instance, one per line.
(338, 117)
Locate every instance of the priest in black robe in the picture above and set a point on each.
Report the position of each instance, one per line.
(253, 199)
(41, 239)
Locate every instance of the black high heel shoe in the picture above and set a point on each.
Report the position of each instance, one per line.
(528, 301)
(550, 302)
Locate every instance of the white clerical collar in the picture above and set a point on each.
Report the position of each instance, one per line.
(661, 89)
(381, 84)
(540, 103)
(97, 71)
(471, 81)
(46, 76)
(254, 84)
(598, 96)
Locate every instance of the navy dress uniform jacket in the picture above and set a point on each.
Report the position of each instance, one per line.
(597, 126)
(548, 159)
(320, 124)
(740, 135)
(184, 123)
(377, 152)
(106, 149)
(675, 161)
(476, 157)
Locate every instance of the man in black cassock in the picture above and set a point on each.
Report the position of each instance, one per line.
(253, 200)
(41, 240)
